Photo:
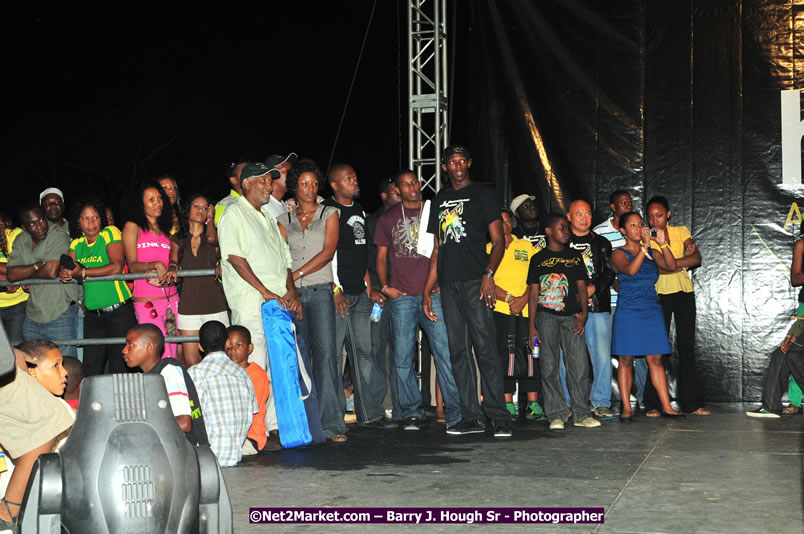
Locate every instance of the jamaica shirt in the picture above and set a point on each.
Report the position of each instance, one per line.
(98, 295)
(460, 221)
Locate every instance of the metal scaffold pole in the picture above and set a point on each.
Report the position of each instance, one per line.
(427, 89)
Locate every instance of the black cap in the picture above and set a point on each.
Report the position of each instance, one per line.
(275, 160)
(253, 170)
(454, 149)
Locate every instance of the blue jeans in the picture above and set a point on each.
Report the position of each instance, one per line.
(63, 327)
(380, 341)
(598, 341)
(406, 314)
(318, 329)
(555, 335)
(355, 330)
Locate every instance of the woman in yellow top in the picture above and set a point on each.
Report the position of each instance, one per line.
(678, 300)
(12, 298)
(511, 320)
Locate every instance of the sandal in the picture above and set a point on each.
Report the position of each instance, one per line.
(338, 438)
(441, 417)
(791, 410)
(652, 413)
(12, 524)
(701, 411)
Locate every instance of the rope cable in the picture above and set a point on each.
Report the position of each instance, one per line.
(351, 85)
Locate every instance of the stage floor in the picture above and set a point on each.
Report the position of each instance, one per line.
(721, 473)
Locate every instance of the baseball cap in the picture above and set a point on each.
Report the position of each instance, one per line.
(253, 170)
(452, 150)
(519, 200)
(50, 191)
(275, 160)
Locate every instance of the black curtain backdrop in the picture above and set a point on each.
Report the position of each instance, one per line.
(573, 99)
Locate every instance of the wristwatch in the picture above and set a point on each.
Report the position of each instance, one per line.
(301, 274)
(489, 273)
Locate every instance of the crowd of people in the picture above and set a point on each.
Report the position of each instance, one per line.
(538, 306)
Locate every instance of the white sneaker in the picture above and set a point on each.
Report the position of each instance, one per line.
(589, 422)
(558, 424)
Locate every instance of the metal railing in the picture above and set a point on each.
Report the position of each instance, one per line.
(110, 278)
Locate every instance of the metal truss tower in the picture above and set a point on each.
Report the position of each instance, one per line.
(427, 89)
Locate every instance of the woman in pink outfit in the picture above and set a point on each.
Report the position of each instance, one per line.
(146, 243)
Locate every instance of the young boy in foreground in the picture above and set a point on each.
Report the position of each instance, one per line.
(226, 394)
(557, 278)
(144, 347)
(238, 348)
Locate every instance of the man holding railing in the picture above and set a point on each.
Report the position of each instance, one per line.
(52, 311)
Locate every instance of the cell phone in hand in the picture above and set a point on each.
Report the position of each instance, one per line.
(653, 232)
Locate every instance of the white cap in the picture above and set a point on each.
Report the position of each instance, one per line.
(519, 200)
(50, 191)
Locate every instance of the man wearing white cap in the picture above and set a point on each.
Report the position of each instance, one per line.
(276, 206)
(527, 215)
(52, 201)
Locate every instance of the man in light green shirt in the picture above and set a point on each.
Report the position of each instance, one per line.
(255, 261)
(52, 312)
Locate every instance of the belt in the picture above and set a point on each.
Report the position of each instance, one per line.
(108, 309)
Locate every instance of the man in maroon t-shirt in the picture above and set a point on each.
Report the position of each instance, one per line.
(396, 238)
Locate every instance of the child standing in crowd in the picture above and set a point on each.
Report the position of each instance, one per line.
(239, 348)
(144, 347)
(557, 279)
(226, 395)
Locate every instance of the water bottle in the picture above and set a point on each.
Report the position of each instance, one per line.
(534, 351)
(376, 313)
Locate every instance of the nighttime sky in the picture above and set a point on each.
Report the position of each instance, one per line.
(101, 97)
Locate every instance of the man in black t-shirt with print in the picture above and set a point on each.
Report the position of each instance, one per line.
(557, 280)
(354, 298)
(463, 219)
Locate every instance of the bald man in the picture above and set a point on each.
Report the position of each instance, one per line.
(596, 252)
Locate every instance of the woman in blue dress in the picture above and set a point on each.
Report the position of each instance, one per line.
(638, 328)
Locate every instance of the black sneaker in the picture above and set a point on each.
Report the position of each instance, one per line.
(466, 427)
(381, 423)
(412, 423)
(503, 430)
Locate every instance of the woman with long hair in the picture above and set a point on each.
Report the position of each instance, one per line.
(97, 250)
(12, 298)
(638, 328)
(201, 298)
(146, 243)
(677, 298)
(312, 235)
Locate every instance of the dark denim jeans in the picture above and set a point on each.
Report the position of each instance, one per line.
(380, 343)
(63, 327)
(555, 336)
(355, 331)
(13, 318)
(780, 367)
(406, 314)
(112, 324)
(318, 330)
(470, 323)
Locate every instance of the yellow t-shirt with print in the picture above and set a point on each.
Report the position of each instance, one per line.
(10, 299)
(680, 281)
(512, 274)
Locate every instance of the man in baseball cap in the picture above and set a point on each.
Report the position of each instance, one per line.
(52, 201)
(276, 206)
(527, 215)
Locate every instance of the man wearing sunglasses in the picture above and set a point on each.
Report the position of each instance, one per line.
(256, 264)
